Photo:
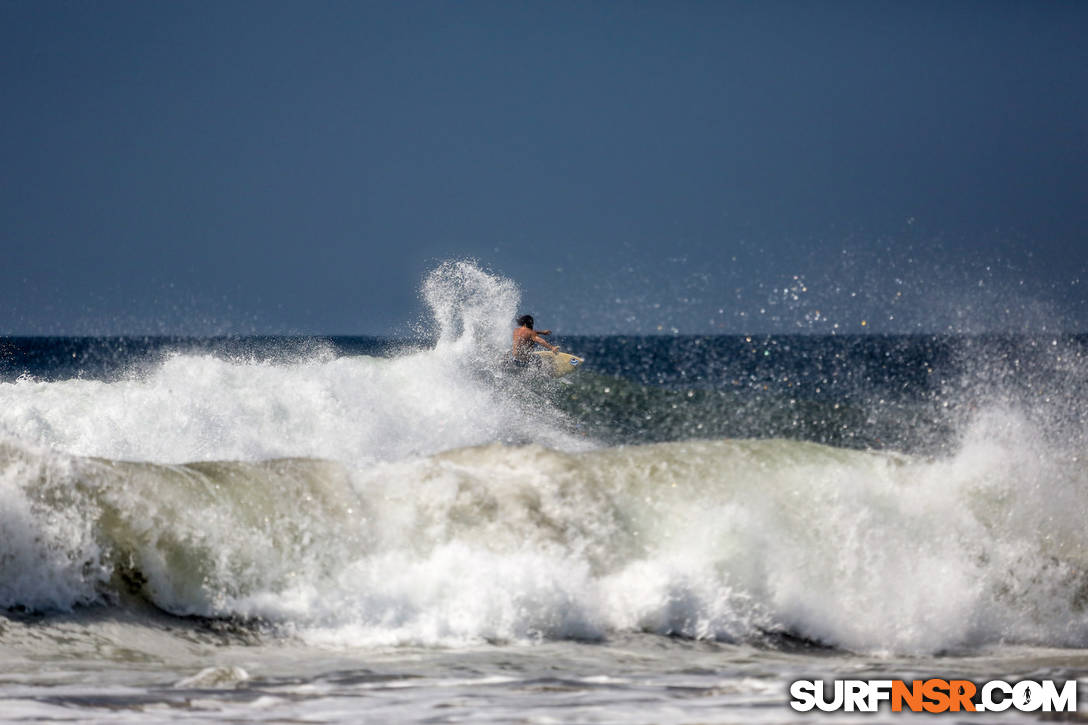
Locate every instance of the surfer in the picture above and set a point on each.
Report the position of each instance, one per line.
(525, 338)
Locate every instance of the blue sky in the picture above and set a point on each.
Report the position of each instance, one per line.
(298, 167)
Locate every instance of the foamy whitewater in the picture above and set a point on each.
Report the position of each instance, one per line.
(421, 533)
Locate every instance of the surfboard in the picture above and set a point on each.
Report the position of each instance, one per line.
(561, 363)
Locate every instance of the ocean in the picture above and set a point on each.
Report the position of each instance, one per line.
(344, 529)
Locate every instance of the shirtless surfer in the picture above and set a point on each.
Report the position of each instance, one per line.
(525, 338)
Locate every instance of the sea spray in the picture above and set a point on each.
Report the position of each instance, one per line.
(471, 308)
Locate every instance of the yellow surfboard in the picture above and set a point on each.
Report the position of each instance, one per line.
(561, 363)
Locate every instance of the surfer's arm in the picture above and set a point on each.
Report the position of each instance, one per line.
(537, 338)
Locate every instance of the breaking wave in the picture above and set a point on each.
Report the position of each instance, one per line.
(427, 497)
(730, 540)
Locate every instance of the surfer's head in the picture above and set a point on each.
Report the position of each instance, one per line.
(526, 321)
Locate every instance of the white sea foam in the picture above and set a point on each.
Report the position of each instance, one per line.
(728, 540)
(351, 409)
(375, 501)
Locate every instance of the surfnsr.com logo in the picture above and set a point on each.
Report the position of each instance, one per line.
(934, 695)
